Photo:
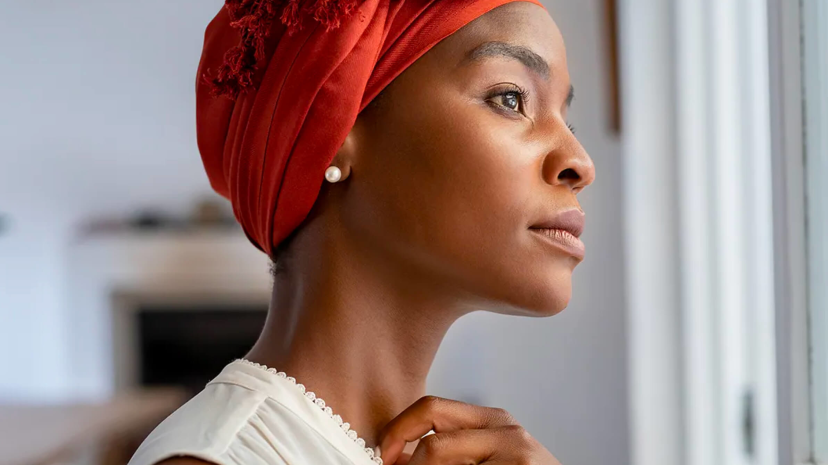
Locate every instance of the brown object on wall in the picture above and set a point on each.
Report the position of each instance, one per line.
(611, 18)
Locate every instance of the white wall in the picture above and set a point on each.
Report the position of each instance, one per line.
(96, 117)
(99, 99)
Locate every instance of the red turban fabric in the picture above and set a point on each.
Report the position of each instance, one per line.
(280, 85)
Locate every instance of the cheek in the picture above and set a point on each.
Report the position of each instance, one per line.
(452, 189)
(453, 182)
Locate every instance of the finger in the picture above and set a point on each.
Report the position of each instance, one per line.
(507, 444)
(440, 415)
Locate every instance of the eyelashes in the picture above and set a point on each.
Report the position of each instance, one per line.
(514, 98)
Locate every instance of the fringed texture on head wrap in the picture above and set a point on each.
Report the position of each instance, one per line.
(329, 12)
(255, 20)
(290, 16)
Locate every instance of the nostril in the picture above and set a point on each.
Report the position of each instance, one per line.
(569, 175)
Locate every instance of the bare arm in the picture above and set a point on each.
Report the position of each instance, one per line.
(184, 461)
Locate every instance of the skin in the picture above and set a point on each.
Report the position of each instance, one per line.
(442, 181)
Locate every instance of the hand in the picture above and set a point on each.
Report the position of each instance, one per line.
(464, 434)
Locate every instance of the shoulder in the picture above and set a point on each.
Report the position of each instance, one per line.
(203, 430)
(249, 416)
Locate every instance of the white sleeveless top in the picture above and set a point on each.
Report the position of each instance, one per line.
(252, 415)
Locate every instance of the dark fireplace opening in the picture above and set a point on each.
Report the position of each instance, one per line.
(188, 347)
(185, 348)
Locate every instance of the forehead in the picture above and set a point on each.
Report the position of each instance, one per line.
(517, 23)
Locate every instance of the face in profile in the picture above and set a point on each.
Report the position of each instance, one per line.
(465, 171)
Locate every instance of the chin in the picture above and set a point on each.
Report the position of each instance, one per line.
(552, 305)
(538, 300)
(550, 295)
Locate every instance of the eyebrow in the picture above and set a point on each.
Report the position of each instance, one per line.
(523, 54)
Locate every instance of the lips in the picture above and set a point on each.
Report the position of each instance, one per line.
(562, 232)
(571, 221)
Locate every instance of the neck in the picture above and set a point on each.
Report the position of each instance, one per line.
(361, 336)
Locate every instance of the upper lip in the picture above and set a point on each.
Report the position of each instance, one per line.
(571, 221)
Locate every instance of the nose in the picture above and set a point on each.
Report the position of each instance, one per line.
(569, 165)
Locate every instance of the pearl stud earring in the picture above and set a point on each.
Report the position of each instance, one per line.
(333, 174)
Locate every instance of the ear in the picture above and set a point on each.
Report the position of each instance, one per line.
(347, 154)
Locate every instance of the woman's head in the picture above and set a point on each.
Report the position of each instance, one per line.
(464, 166)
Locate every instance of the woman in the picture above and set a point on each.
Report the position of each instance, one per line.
(452, 191)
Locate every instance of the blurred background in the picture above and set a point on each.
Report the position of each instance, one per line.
(697, 332)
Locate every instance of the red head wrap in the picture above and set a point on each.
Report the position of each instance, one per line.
(293, 87)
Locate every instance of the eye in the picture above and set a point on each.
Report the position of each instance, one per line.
(513, 98)
(571, 127)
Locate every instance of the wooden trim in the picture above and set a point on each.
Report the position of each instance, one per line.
(611, 23)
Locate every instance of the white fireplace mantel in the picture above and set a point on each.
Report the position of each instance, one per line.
(110, 274)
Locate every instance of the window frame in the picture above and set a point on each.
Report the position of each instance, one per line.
(794, 397)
